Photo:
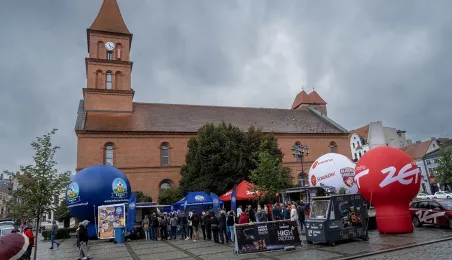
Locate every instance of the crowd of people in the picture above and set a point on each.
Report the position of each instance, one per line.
(218, 226)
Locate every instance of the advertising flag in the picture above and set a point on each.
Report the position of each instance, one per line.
(131, 212)
(215, 202)
(234, 198)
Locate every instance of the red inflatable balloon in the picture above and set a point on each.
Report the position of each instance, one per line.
(389, 179)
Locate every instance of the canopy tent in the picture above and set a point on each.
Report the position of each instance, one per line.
(245, 191)
(196, 198)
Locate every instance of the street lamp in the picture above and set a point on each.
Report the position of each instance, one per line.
(299, 152)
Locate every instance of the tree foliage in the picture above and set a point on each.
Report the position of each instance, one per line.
(170, 196)
(223, 155)
(62, 214)
(39, 183)
(443, 171)
(270, 177)
(141, 197)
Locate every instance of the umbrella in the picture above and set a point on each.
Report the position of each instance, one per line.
(13, 246)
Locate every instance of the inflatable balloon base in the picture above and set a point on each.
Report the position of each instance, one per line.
(394, 220)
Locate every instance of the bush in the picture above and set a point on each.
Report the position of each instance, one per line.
(62, 233)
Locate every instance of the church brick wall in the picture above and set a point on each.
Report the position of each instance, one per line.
(108, 102)
(140, 159)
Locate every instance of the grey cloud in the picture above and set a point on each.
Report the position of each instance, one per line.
(370, 60)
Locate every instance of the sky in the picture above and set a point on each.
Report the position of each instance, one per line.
(370, 60)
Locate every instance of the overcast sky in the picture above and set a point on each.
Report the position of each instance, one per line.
(370, 60)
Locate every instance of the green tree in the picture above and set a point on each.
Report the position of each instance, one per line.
(62, 214)
(223, 155)
(342, 190)
(39, 184)
(141, 197)
(169, 196)
(270, 177)
(443, 171)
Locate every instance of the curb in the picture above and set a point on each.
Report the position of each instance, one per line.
(395, 249)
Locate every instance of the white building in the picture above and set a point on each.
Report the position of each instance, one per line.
(373, 135)
(417, 151)
(431, 162)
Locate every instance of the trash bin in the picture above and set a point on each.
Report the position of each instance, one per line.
(120, 235)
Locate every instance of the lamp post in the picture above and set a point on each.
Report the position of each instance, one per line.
(299, 152)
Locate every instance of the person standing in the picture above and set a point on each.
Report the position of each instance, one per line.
(83, 239)
(214, 226)
(163, 231)
(203, 225)
(208, 226)
(230, 222)
(239, 211)
(301, 216)
(146, 226)
(195, 225)
(173, 223)
(183, 225)
(222, 227)
(154, 223)
(31, 239)
(53, 235)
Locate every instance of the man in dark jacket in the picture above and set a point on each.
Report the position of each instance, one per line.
(301, 215)
(214, 225)
(203, 225)
(183, 225)
(82, 237)
(53, 235)
(222, 227)
(154, 226)
(208, 226)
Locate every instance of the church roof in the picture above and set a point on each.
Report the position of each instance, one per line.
(301, 98)
(110, 19)
(316, 99)
(152, 117)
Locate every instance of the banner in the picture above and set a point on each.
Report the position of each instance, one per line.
(109, 217)
(234, 198)
(215, 202)
(131, 212)
(266, 236)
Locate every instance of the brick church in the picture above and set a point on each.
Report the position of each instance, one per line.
(148, 141)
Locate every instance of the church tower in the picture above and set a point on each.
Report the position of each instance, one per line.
(108, 67)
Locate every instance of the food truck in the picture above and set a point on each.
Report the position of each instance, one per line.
(336, 218)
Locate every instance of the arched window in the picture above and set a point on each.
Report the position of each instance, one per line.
(99, 79)
(333, 147)
(118, 51)
(359, 155)
(356, 157)
(109, 80)
(303, 179)
(165, 184)
(109, 55)
(164, 154)
(109, 154)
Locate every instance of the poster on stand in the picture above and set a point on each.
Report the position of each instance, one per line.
(109, 217)
(266, 236)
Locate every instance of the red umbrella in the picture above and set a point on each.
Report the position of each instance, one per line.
(13, 246)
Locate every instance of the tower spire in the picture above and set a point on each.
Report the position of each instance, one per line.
(109, 19)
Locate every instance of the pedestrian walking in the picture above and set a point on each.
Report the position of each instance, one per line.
(31, 238)
(82, 239)
(53, 235)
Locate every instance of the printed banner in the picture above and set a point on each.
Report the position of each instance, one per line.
(266, 236)
(234, 198)
(131, 212)
(109, 217)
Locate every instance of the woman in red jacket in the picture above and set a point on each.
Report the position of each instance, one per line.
(29, 233)
(244, 218)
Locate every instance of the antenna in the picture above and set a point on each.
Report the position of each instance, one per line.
(302, 87)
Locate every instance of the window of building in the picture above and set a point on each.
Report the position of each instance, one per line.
(109, 154)
(164, 154)
(434, 145)
(164, 185)
(359, 155)
(401, 144)
(353, 145)
(356, 157)
(333, 147)
(109, 55)
(428, 162)
(109, 80)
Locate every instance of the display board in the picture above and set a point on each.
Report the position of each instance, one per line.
(109, 217)
(266, 236)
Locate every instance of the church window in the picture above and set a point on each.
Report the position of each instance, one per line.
(164, 154)
(109, 154)
(333, 147)
(109, 55)
(165, 184)
(109, 80)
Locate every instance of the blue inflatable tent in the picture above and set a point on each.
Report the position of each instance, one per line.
(197, 201)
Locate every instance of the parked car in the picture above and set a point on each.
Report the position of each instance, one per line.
(424, 196)
(436, 212)
(6, 229)
(442, 195)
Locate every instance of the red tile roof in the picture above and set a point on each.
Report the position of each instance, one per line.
(417, 150)
(151, 117)
(301, 98)
(362, 131)
(110, 19)
(315, 97)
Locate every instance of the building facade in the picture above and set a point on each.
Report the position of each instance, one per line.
(148, 141)
(431, 162)
(373, 135)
